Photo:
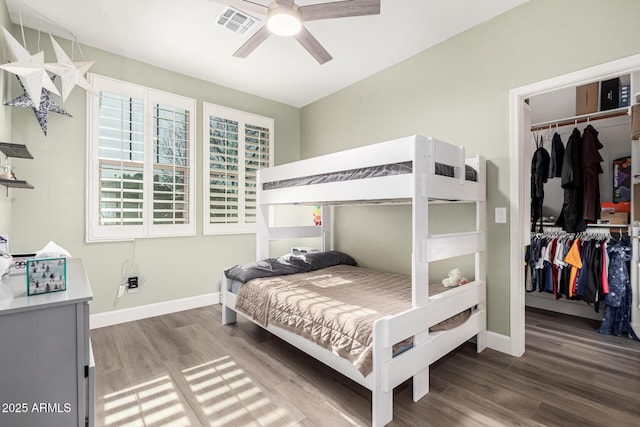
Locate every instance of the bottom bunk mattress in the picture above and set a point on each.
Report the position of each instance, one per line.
(334, 307)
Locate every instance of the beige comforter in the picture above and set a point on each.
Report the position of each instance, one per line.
(334, 307)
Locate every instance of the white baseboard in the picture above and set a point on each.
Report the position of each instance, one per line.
(499, 342)
(495, 341)
(130, 314)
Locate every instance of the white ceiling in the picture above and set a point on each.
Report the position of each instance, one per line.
(181, 35)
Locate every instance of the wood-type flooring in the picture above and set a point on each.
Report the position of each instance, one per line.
(186, 369)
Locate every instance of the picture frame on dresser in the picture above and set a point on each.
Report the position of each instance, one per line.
(46, 275)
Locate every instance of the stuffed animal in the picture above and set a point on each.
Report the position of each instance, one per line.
(317, 216)
(454, 278)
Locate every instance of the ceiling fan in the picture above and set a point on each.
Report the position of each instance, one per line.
(284, 17)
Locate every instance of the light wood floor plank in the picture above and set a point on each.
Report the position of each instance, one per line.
(187, 369)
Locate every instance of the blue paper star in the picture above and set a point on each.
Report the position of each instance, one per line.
(46, 105)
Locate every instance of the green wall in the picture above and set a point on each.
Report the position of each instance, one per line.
(55, 210)
(458, 91)
(5, 128)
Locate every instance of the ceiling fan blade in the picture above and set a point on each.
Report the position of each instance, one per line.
(339, 9)
(313, 46)
(287, 3)
(254, 41)
(247, 6)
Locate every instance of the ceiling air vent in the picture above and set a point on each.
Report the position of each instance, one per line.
(235, 20)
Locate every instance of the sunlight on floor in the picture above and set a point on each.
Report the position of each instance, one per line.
(228, 396)
(154, 402)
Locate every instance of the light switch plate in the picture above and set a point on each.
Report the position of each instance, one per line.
(501, 215)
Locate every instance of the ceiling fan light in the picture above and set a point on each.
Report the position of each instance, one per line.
(284, 21)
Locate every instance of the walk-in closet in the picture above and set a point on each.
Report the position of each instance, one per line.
(582, 259)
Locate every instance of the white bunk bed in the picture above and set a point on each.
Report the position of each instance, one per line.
(417, 187)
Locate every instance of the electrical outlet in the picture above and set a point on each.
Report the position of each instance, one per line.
(132, 282)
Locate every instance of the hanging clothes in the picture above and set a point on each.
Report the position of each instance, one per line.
(568, 266)
(617, 308)
(571, 217)
(591, 160)
(557, 156)
(539, 176)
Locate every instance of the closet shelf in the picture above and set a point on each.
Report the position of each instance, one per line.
(552, 224)
(607, 114)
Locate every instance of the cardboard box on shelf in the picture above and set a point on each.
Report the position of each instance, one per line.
(614, 218)
(616, 207)
(610, 94)
(587, 98)
(636, 202)
(635, 121)
(625, 96)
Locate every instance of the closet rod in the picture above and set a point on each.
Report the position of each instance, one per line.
(580, 119)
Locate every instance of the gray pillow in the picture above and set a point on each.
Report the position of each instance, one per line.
(318, 260)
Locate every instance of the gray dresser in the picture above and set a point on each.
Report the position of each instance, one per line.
(46, 364)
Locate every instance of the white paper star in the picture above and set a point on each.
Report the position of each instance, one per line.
(71, 73)
(33, 75)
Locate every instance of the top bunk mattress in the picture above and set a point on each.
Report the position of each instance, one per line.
(363, 173)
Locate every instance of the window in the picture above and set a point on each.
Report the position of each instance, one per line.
(236, 145)
(141, 166)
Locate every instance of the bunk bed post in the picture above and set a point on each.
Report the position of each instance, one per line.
(381, 396)
(481, 257)
(423, 157)
(262, 223)
(228, 315)
(325, 215)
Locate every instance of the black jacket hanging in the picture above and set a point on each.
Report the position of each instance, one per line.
(557, 156)
(591, 160)
(571, 217)
(539, 175)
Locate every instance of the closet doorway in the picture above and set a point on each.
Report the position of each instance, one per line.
(520, 176)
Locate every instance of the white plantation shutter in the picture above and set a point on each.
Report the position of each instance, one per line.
(141, 166)
(257, 145)
(170, 165)
(223, 171)
(239, 144)
(121, 160)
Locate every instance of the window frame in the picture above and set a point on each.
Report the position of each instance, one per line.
(150, 97)
(243, 118)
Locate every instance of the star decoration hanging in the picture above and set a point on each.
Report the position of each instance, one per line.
(71, 73)
(42, 110)
(35, 78)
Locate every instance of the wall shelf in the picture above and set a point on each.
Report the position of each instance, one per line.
(15, 183)
(17, 151)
